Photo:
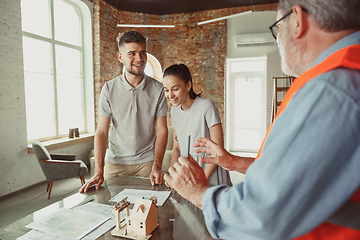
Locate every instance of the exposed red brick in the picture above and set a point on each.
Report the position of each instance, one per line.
(202, 48)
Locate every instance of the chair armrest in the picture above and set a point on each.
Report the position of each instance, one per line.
(67, 157)
(59, 161)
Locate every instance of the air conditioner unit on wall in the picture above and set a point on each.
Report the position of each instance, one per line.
(254, 39)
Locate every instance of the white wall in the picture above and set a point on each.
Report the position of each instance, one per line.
(18, 169)
(256, 22)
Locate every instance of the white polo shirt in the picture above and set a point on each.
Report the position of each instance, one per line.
(133, 112)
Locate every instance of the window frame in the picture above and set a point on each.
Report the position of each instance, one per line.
(86, 65)
(230, 98)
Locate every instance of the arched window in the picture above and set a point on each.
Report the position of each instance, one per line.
(54, 52)
(153, 68)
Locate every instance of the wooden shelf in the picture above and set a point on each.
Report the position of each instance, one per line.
(275, 101)
(282, 89)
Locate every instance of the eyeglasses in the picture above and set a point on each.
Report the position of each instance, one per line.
(274, 28)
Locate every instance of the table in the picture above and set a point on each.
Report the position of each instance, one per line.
(178, 218)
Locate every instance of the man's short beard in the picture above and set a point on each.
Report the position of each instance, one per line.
(136, 74)
(129, 70)
(288, 49)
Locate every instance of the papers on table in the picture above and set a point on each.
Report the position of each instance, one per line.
(96, 208)
(39, 235)
(69, 223)
(133, 194)
(87, 222)
(89, 209)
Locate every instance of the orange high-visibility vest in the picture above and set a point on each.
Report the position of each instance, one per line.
(348, 57)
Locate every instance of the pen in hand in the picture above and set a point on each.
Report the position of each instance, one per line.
(188, 150)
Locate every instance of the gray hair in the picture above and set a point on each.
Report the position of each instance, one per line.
(329, 15)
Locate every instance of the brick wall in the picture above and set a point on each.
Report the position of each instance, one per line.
(202, 48)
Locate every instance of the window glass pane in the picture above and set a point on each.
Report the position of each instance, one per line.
(35, 16)
(247, 139)
(40, 109)
(69, 90)
(40, 122)
(37, 55)
(70, 103)
(70, 116)
(247, 106)
(68, 61)
(67, 23)
(38, 89)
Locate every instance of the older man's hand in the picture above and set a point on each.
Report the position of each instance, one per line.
(219, 156)
(188, 179)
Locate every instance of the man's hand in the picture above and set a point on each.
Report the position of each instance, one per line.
(218, 155)
(156, 176)
(188, 179)
(221, 157)
(97, 179)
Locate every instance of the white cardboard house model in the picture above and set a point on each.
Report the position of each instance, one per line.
(141, 222)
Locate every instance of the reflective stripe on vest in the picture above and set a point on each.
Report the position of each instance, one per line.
(347, 218)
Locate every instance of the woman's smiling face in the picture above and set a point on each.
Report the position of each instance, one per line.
(176, 90)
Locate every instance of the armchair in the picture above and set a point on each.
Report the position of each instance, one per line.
(58, 166)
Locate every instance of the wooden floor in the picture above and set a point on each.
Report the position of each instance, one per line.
(18, 205)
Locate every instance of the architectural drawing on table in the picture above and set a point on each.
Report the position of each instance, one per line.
(142, 221)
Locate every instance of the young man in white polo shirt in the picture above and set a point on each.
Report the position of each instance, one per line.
(137, 107)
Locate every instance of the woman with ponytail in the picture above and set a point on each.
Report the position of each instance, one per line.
(192, 116)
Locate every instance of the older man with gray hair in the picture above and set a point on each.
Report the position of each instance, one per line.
(305, 182)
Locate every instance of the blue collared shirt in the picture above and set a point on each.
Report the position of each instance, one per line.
(309, 164)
